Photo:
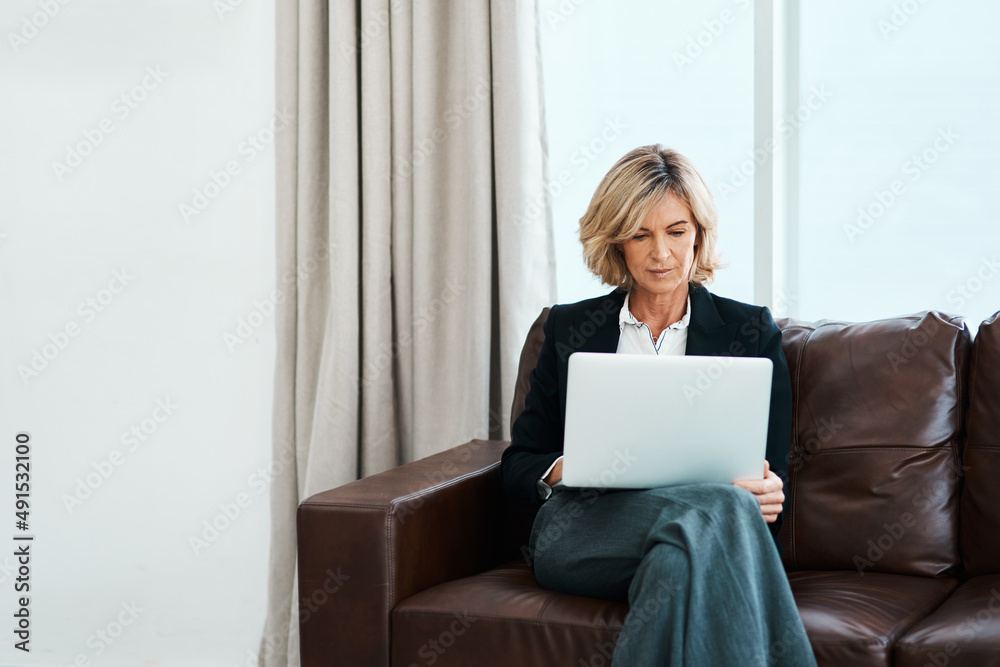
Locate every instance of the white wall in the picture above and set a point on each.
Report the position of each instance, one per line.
(197, 81)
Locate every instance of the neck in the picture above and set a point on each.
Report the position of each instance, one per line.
(658, 311)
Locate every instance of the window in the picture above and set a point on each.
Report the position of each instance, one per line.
(885, 121)
(619, 75)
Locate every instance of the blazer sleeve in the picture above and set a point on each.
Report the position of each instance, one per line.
(779, 425)
(537, 434)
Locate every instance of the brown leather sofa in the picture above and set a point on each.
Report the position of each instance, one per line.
(892, 539)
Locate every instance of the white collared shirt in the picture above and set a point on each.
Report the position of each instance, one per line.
(636, 338)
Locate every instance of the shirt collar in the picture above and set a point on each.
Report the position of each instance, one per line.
(625, 315)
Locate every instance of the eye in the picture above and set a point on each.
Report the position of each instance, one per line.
(639, 237)
(680, 233)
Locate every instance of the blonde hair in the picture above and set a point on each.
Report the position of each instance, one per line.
(627, 194)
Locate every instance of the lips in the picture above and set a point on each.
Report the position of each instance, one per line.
(660, 272)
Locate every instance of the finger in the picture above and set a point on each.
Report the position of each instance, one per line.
(759, 489)
(770, 509)
(769, 484)
(775, 482)
(770, 518)
(764, 498)
(754, 486)
(767, 468)
(771, 499)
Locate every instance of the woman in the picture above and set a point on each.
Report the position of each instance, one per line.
(696, 563)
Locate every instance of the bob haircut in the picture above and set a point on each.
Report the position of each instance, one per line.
(627, 194)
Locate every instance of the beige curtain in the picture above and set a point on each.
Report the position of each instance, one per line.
(414, 243)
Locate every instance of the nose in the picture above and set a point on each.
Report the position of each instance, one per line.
(661, 249)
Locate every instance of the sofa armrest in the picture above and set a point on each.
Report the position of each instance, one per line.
(366, 545)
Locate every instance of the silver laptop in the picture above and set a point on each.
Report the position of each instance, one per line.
(635, 421)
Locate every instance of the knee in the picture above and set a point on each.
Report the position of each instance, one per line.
(545, 535)
(734, 498)
(662, 575)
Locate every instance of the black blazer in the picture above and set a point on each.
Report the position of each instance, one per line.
(717, 327)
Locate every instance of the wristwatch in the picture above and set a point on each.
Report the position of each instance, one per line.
(544, 490)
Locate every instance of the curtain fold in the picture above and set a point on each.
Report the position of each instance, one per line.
(414, 244)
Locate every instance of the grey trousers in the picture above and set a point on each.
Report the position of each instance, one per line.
(695, 563)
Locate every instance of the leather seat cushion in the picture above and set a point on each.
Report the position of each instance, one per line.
(855, 619)
(962, 632)
(503, 617)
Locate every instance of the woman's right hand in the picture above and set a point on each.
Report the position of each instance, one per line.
(556, 473)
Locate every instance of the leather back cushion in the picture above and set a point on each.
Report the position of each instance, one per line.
(981, 494)
(873, 472)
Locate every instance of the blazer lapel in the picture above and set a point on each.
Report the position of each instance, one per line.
(708, 335)
(605, 338)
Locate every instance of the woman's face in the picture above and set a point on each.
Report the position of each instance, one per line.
(661, 253)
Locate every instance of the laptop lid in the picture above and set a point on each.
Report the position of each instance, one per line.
(641, 421)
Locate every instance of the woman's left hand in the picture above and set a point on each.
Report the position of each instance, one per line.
(768, 492)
